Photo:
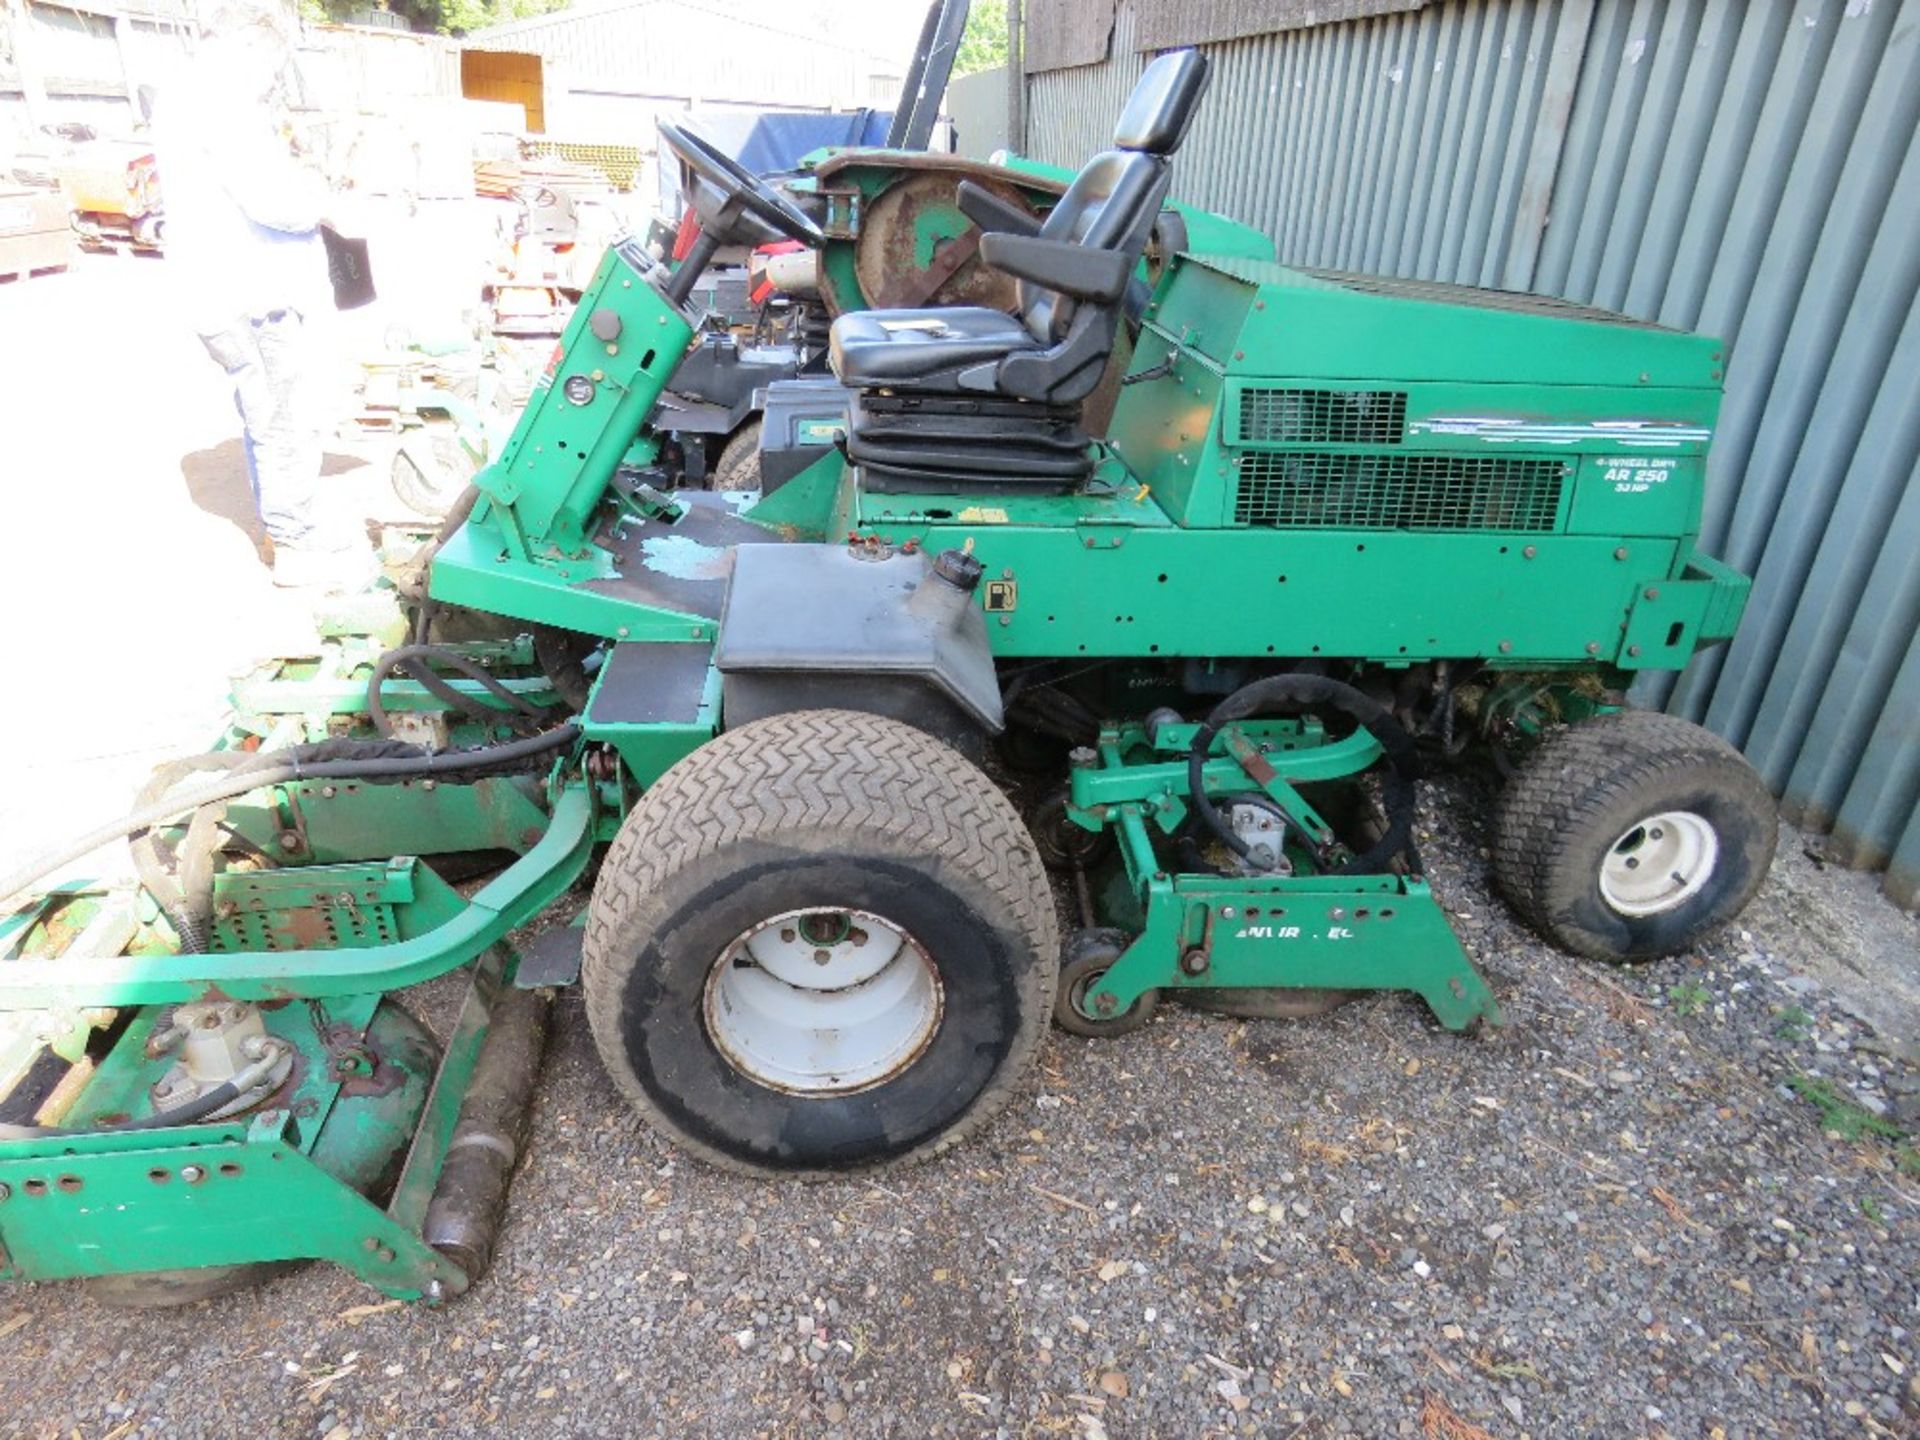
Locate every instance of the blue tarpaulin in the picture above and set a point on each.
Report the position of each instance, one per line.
(769, 142)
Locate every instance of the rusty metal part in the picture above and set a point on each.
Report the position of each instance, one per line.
(470, 1198)
(888, 259)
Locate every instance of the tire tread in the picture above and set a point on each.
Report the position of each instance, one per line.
(810, 770)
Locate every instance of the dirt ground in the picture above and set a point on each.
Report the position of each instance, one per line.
(1677, 1200)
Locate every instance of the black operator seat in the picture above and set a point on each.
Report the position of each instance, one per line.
(964, 393)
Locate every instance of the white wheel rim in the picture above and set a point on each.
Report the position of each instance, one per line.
(823, 1002)
(1659, 864)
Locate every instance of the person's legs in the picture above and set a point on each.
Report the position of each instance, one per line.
(280, 395)
(287, 437)
(235, 352)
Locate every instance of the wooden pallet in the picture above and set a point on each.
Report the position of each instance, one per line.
(8, 277)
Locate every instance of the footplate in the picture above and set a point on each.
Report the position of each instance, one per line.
(1360, 932)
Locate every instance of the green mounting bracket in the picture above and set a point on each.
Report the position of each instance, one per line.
(1282, 931)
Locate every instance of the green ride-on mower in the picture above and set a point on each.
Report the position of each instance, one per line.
(1333, 529)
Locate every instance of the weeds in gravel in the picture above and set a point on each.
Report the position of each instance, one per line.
(1484, 1362)
(1792, 1024)
(1438, 1421)
(1688, 998)
(1838, 1114)
(1853, 1122)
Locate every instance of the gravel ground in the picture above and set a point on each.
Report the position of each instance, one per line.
(1614, 1218)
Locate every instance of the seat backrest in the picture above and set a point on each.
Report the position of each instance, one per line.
(1114, 201)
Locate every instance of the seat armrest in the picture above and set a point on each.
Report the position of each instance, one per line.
(994, 215)
(1077, 270)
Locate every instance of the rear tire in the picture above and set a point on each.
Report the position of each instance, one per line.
(738, 467)
(1632, 834)
(906, 867)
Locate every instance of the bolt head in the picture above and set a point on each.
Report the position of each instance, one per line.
(1506, 647)
(1104, 1004)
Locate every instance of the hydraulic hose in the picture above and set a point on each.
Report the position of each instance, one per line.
(455, 517)
(415, 660)
(218, 1098)
(177, 885)
(300, 762)
(1295, 693)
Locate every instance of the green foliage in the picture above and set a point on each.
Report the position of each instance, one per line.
(1792, 1023)
(1840, 1115)
(1870, 1207)
(983, 45)
(1688, 998)
(447, 17)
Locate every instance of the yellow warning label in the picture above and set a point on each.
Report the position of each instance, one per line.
(1002, 596)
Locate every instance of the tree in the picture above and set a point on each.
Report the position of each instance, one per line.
(447, 17)
(983, 44)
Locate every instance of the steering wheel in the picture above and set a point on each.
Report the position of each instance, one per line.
(735, 205)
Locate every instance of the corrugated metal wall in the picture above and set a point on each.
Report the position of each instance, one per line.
(1751, 171)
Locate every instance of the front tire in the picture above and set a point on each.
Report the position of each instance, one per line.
(1632, 834)
(820, 833)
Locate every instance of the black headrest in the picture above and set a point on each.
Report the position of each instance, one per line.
(1162, 104)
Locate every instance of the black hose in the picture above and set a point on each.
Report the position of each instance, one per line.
(300, 762)
(455, 517)
(221, 1095)
(177, 882)
(1293, 693)
(415, 659)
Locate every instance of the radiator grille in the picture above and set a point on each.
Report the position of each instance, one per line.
(1398, 492)
(1323, 417)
